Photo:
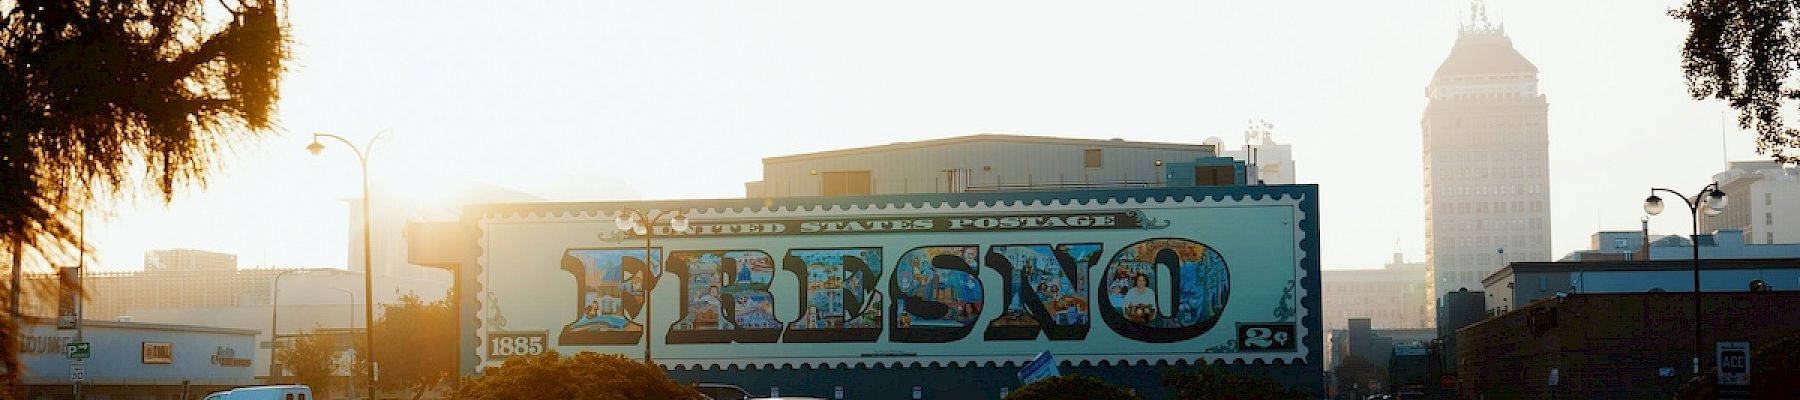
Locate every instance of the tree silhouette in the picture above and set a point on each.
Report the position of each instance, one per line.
(100, 99)
(427, 334)
(1207, 382)
(1070, 387)
(311, 359)
(585, 375)
(1742, 51)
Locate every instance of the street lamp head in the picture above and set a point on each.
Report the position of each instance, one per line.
(315, 147)
(1653, 205)
(679, 223)
(625, 220)
(1716, 201)
(1710, 211)
(640, 229)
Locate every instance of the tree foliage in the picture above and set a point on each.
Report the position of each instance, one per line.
(584, 376)
(1742, 52)
(99, 98)
(310, 360)
(1070, 387)
(1209, 383)
(417, 342)
(1774, 369)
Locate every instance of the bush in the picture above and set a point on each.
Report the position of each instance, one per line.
(1208, 383)
(1070, 387)
(586, 375)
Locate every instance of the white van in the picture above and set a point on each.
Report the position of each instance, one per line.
(273, 392)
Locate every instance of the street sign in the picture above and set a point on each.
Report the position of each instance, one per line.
(1040, 367)
(77, 371)
(1734, 362)
(77, 350)
(1733, 358)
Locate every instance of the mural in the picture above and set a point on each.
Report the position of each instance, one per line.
(840, 302)
(610, 295)
(1046, 290)
(1133, 304)
(937, 294)
(1114, 278)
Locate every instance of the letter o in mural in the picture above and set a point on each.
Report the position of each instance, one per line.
(1132, 305)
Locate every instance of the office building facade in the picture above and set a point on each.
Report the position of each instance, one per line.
(1486, 155)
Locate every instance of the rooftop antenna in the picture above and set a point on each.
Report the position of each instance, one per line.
(1723, 156)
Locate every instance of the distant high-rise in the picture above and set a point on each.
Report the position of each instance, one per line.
(1486, 143)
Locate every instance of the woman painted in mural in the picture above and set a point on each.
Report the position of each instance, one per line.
(1201, 286)
(1140, 301)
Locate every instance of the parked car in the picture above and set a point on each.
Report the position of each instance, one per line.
(718, 391)
(272, 392)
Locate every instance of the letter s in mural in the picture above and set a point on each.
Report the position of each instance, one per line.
(937, 294)
(1131, 304)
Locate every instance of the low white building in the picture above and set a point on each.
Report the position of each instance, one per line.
(1764, 202)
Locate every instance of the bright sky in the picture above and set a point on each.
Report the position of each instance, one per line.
(584, 100)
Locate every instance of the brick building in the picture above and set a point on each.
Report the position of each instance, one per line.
(1607, 346)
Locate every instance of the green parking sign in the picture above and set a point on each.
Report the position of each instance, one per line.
(77, 350)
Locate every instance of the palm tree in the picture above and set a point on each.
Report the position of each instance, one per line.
(103, 99)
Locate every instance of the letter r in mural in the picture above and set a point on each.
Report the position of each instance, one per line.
(726, 297)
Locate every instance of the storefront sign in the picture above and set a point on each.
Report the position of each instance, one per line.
(227, 357)
(45, 344)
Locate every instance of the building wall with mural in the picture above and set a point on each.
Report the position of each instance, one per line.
(817, 294)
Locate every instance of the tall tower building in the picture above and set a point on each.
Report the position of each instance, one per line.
(1486, 142)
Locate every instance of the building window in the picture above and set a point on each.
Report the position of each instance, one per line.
(1768, 218)
(1090, 158)
(1768, 199)
(1768, 237)
(844, 183)
(1216, 175)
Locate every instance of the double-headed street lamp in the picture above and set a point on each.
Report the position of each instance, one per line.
(362, 160)
(1710, 201)
(643, 224)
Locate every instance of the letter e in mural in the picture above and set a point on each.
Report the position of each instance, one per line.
(840, 301)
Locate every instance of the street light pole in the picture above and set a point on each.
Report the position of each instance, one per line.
(643, 224)
(274, 317)
(1713, 199)
(349, 390)
(362, 160)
